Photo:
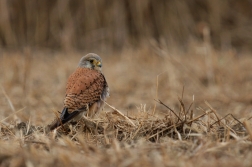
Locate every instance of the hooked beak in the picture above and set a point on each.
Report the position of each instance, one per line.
(99, 64)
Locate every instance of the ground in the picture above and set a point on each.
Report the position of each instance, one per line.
(167, 107)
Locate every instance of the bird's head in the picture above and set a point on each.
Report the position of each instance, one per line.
(92, 61)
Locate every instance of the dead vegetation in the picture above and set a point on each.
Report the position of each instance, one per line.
(163, 111)
(85, 24)
(175, 100)
(120, 140)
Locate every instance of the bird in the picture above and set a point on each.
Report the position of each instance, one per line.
(86, 91)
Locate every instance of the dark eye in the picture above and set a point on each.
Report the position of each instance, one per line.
(91, 61)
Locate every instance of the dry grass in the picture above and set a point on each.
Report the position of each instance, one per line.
(84, 24)
(168, 110)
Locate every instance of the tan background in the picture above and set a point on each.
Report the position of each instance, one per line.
(151, 49)
(79, 24)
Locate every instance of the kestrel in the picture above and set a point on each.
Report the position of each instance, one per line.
(86, 90)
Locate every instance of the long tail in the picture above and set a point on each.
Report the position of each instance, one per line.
(64, 117)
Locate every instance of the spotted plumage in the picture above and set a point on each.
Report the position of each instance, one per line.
(86, 90)
(84, 86)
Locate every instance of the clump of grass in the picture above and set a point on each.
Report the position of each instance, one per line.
(123, 137)
(180, 125)
(177, 131)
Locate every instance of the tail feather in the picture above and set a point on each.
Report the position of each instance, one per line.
(64, 117)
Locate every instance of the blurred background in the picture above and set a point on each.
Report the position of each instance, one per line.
(151, 49)
(83, 24)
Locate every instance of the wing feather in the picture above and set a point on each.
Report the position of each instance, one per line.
(84, 87)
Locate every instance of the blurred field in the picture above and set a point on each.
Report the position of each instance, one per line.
(84, 24)
(33, 86)
(179, 74)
